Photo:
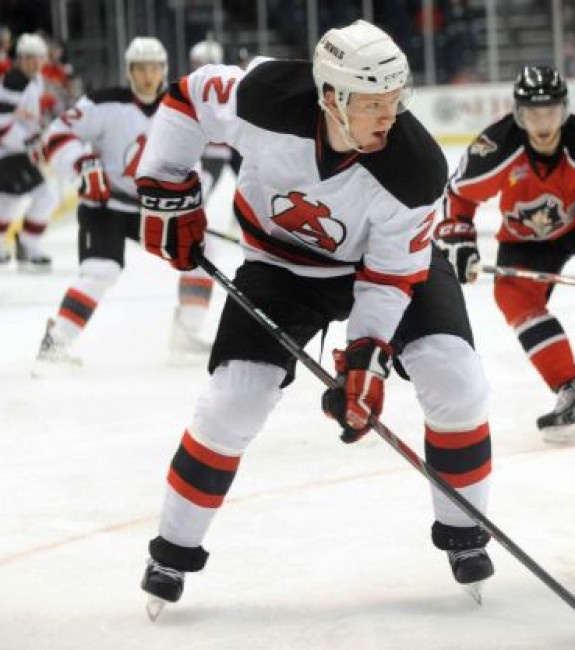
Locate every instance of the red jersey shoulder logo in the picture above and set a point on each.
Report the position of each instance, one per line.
(310, 222)
(482, 146)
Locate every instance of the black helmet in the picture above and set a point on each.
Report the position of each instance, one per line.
(539, 85)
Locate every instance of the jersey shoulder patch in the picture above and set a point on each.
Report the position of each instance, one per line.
(412, 166)
(280, 96)
(117, 94)
(494, 145)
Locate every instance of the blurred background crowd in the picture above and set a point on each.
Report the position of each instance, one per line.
(447, 41)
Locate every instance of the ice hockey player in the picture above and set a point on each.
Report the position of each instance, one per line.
(100, 141)
(196, 287)
(5, 47)
(20, 158)
(336, 204)
(527, 157)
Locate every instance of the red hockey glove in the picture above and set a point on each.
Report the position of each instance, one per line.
(361, 370)
(94, 183)
(457, 238)
(173, 219)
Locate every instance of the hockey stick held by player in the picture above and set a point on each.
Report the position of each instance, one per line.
(334, 228)
(485, 526)
(525, 158)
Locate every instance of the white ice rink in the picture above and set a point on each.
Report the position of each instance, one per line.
(320, 546)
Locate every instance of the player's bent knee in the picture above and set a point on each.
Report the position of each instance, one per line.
(235, 407)
(449, 380)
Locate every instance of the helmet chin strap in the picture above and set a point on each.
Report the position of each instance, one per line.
(342, 124)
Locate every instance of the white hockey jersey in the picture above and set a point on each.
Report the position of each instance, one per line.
(300, 204)
(112, 123)
(19, 110)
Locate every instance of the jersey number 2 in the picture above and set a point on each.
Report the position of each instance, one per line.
(421, 240)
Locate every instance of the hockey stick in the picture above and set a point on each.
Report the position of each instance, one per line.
(222, 235)
(536, 276)
(410, 456)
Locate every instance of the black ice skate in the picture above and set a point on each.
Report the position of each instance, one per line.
(164, 585)
(31, 261)
(558, 424)
(470, 565)
(470, 568)
(53, 353)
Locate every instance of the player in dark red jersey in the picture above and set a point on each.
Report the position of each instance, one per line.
(335, 197)
(528, 157)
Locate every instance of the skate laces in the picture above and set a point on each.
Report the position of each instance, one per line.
(465, 553)
(168, 571)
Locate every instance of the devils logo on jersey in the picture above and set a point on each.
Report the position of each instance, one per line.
(537, 219)
(482, 146)
(133, 154)
(310, 222)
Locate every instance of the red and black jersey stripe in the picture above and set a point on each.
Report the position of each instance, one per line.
(56, 142)
(461, 458)
(195, 291)
(77, 307)
(201, 475)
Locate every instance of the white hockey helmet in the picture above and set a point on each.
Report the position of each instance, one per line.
(143, 49)
(146, 49)
(31, 45)
(204, 52)
(360, 58)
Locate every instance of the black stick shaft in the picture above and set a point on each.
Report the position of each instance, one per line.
(418, 463)
(223, 235)
(536, 276)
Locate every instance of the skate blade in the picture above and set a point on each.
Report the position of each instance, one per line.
(560, 435)
(154, 607)
(475, 590)
(44, 369)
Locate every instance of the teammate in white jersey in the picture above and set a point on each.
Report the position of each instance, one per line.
(195, 288)
(20, 157)
(336, 204)
(100, 140)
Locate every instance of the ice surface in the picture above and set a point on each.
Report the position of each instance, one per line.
(320, 545)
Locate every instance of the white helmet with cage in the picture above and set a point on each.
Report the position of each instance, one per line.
(204, 52)
(31, 45)
(360, 58)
